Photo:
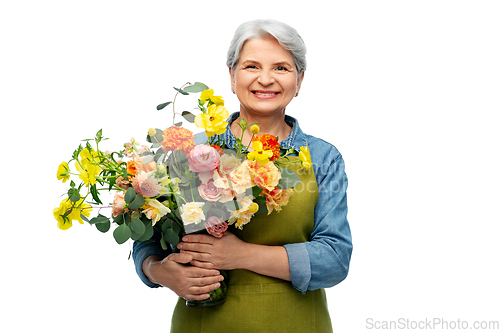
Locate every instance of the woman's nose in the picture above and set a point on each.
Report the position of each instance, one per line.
(266, 78)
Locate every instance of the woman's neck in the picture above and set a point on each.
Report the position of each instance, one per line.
(273, 124)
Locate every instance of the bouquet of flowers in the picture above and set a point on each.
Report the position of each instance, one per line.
(176, 186)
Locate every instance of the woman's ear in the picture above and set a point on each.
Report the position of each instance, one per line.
(232, 80)
(299, 83)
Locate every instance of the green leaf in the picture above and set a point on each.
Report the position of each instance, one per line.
(148, 159)
(130, 195)
(73, 194)
(181, 91)
(188, 116)
(163, 244)
(163, 105)
(171, 237)
(138, 228)
(95, 194)
(288, 179)
(122, 234)
(99, 219)
(196, 87)
(157, 138)
(137, 203)
(148, 233)
(118, 219)
(103, 227)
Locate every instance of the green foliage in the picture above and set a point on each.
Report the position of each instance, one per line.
(196, 87)
(288, 179)
(130, 195)
(163, 105)
(137, 203)
(188, 116)
(122, 233)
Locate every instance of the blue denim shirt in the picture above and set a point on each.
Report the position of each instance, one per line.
(323, 261)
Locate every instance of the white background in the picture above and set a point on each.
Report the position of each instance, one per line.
(408, 91)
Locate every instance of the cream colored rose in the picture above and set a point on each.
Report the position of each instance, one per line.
(191, 212)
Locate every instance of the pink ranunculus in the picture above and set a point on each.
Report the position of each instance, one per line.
(118, 203)
(215, 226)
(209, 191)
(203, 158)
(146, 185)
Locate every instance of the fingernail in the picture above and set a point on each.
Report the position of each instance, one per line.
(221, 278)
(179, 246)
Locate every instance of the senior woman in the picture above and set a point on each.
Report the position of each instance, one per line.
(280, 264)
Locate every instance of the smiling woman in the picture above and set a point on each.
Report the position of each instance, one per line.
(280, 264)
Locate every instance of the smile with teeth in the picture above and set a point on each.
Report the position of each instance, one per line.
(261, 93)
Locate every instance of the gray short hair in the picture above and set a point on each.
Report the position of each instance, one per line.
(287, 36)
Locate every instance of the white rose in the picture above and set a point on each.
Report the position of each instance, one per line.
(191, 212)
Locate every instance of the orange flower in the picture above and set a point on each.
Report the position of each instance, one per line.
(219, 149)
(135, 166)
(269, 142)
(131, 168)
(276, 198)
(178, 138)
(265, 176)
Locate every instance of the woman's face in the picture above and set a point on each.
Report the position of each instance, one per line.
(265, 78)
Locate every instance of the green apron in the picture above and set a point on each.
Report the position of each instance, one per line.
(257, 303)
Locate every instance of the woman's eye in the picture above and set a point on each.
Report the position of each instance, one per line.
(250, 67)
(281, 68)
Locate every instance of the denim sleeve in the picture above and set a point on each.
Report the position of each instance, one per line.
(142, 250)
(323, 261)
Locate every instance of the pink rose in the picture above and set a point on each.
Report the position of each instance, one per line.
(203, 158)
(215, 226)
(118, 203)
(209, 191)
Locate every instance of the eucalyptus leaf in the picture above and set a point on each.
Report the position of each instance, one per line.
(103, 227)
(163, 244)
(130, 195)
(148, 159)
(171, 237)
(288, 179)
(99, 219)
(148, 233)
(181, 91)
(137, 203)
(163, 105)
(196, 87)
(138, 228)
(188, 116)
(122, 234)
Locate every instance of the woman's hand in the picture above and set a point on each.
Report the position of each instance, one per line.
(214, 253)
(192, 283)
(230, 252)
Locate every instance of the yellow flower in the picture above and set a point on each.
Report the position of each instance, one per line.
(213, 121)
(63, 172)
(254, 207)
(208, 95)
(155, 210)
(255, 129)
(68, 211)
(152, 132)
(243, 215)
(259, 154)
(88, 154)
(88, 171)
(305, 157)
